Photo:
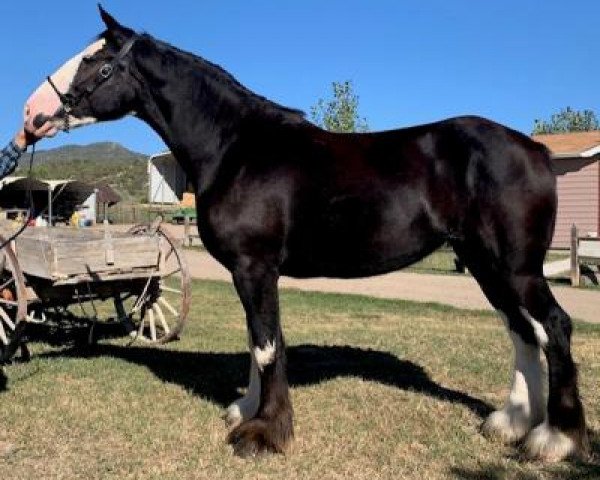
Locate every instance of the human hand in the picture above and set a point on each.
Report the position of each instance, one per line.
(25, 137)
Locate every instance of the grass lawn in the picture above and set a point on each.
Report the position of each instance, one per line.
(442, 261)
(381, 390)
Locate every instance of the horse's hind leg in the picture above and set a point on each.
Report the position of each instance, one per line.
(535, 320)
(563, 432)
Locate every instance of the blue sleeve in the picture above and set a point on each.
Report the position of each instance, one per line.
(9, 158)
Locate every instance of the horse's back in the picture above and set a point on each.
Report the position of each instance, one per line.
(348, 205)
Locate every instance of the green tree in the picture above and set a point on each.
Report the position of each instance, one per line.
(340, 113)
(567, 120)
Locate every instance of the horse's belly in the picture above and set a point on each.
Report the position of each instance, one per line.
(358, 241)
(347, 266)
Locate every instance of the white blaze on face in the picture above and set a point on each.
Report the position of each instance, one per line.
(45, 101)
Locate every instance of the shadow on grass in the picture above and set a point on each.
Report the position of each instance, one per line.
(575, 470)
(218, 376)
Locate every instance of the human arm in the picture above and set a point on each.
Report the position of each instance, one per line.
(9, 155)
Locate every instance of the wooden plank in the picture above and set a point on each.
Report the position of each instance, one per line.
(575, 278)
(106, 277)
(589, 247)
(589, 250)
(61, 253)
(90, 256)
(34, 256)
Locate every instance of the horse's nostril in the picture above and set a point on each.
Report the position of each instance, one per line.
(39, 120)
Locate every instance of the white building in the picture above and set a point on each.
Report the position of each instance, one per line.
(166, 179)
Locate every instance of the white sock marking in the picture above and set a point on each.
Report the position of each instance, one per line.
(246, 407)
(525, 406)
(265, 356)
(538, 328)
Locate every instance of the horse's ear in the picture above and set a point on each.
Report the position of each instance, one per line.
(114, 30)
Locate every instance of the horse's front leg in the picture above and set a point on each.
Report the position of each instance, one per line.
(264, 423)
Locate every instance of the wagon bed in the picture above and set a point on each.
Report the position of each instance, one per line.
(44, 272)
(64, 255)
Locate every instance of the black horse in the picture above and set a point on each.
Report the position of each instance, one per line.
(278, 196)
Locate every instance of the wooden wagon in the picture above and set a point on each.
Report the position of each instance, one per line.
(137, 280)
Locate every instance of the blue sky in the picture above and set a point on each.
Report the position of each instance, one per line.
(411, 61)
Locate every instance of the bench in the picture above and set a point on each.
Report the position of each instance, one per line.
(584, 251)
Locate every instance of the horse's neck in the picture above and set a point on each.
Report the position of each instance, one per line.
(198, 125)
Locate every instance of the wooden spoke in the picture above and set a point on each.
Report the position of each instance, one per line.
(141, 329)
(3, 337)
(169, 289)
(6, 319)
(9, 302)
(168, 306)
(152, 324)
(161, 318)
(7, 283)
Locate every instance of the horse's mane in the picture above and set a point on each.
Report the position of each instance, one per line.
(224, 80)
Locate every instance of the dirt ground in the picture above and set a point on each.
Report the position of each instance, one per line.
(458, 291)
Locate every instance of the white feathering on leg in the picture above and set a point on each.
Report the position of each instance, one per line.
(525, 406)
(548, 444)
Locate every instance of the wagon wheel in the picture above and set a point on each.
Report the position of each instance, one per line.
(159, 313)
(13, 304)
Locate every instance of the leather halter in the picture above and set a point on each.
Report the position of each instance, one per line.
(69, 101)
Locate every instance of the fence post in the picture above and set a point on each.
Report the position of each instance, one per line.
(575, 274)
(187, 239)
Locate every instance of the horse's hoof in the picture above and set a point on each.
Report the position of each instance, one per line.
(257, 436)
(549, 444)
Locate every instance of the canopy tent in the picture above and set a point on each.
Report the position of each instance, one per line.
(55, 199)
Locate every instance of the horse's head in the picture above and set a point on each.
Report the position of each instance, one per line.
(93, 86)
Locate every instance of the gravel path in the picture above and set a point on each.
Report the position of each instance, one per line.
(455, 290)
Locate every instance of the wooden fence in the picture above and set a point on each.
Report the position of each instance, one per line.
(136, 213)
(584, 251)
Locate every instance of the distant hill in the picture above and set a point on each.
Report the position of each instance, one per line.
(109, 162)
(101, 151)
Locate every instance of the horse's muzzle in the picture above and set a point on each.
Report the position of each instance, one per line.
(39, 120)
